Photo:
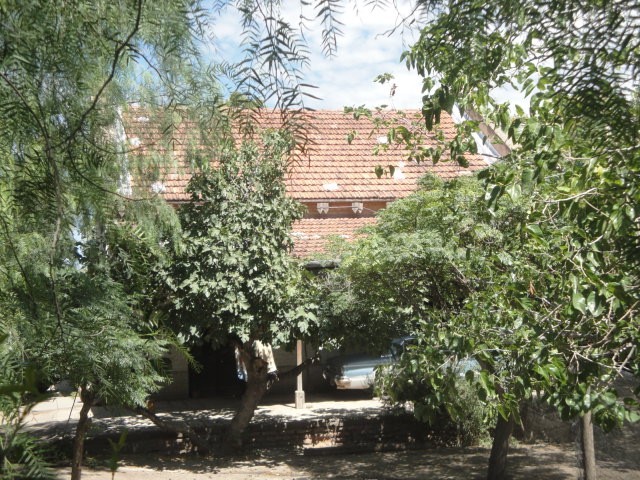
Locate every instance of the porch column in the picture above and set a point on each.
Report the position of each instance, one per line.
(299, 390)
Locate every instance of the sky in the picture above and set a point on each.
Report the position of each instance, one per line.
(365, 50)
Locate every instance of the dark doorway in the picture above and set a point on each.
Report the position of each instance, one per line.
(218, 376)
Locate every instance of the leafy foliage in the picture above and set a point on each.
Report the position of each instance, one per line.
(277, 53)
(408, 129)
(407, 383)
(235, 274)
(415, 273)
(75, 251)
(21, 456)
(564, 316)
(427, 254)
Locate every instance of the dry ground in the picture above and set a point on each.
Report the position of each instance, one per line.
(540, 461)
(618, 456)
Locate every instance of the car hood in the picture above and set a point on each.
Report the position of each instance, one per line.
(359, 360)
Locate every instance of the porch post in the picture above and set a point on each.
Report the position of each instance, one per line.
(299, 390)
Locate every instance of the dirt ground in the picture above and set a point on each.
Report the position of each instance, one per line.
(617, 456)
(541, 461)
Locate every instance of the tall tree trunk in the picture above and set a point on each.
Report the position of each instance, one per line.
(588, 447)
(257, 386)
(84, 422)
(500, 448)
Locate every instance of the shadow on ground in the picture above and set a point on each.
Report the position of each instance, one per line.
(539, 461)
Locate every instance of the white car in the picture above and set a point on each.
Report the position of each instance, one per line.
(357, 371)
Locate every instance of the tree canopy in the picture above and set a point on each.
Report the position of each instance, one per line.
(575, 153)
(563, 315)
(75, 248)
(234, 273)
(234, 278)
(425, 256)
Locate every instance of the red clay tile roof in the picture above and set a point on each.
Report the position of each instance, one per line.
(338, 170)
(311, 235)
(330, 169)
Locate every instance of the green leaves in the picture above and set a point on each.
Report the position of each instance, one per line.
(77, 259)
(579, 302)
(236, 273)
(488, 389)
(576, 253)
(421, 270)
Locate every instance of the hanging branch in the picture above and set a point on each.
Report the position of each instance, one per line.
(114, 66)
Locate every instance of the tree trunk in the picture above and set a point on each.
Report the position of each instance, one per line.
(257, 386)
(261, 373)
(588, 448)
(84, 422)
(500, 448)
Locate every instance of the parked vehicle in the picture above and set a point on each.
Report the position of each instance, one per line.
(357, 371)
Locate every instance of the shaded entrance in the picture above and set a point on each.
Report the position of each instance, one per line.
(217, 376)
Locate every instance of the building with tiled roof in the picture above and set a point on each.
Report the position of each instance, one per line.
(334, 176)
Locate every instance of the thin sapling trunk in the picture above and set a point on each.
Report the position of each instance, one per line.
(88, 399)
(588, 448)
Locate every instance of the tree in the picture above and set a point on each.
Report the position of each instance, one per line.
(415, 272)
(414, 261)
(460, 258)
(67, 253)
(71, 237)
(235, 277)
(567, 312)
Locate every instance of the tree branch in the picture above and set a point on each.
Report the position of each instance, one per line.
(101, 188)
(52, 277)
(201, 443)
(25, 103)
(27, 281)
(114, 65)
(297, 370)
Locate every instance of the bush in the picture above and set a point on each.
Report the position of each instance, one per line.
(467, 417)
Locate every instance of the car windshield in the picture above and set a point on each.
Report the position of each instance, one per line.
(399, 345)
